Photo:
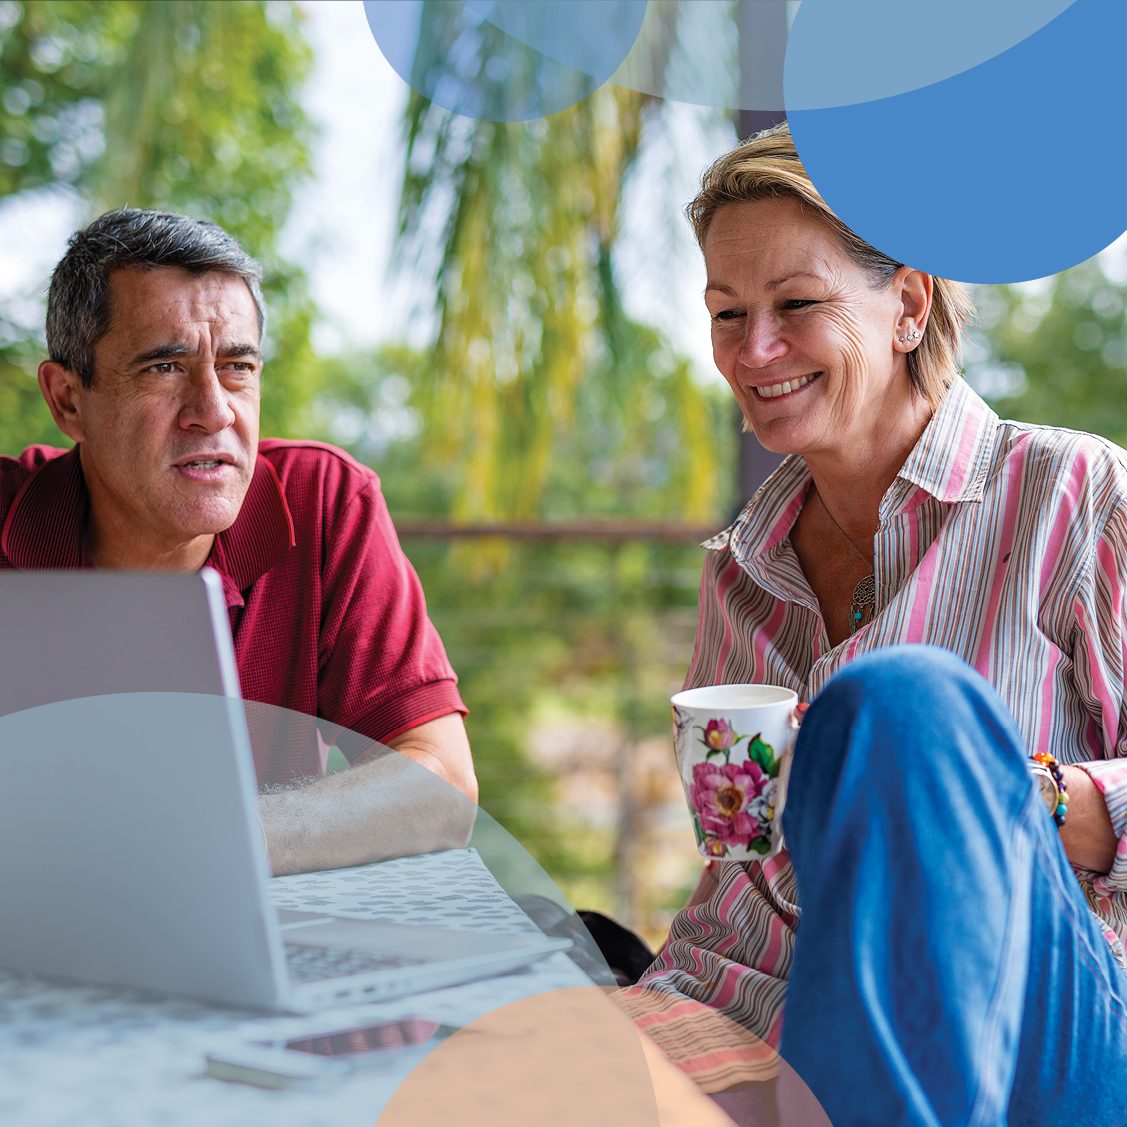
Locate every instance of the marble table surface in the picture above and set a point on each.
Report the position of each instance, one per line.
(105, 1057)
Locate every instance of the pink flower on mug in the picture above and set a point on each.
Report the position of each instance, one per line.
(721, 794)
(719, 735)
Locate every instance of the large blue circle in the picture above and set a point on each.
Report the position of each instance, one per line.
(977, 141)
(505, 60)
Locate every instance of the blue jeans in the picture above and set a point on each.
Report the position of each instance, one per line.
(947, 970)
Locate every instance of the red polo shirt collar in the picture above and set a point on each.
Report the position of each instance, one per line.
(44, 526)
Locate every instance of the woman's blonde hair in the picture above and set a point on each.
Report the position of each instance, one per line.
(766, 166)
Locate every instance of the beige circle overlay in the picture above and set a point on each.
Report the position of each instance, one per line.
(564, 1057)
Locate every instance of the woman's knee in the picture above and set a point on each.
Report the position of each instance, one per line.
(898, 677)
(901, 702)
(909, 738)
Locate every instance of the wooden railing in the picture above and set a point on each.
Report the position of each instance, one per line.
(598, 529)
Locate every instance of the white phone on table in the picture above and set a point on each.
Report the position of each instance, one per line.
(309, 1060)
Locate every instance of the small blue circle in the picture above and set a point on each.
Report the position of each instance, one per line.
(505, 60)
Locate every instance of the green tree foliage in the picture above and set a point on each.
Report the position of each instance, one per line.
(622, 457)
(587, 634)
(185, 105)
(577, 636)
(529, 310)
(1064, 341)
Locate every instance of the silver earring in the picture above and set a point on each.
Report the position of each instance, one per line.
(915, 334)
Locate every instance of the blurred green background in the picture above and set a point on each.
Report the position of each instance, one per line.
(534, 399)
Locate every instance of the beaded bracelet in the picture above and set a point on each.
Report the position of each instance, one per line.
(1051, 766)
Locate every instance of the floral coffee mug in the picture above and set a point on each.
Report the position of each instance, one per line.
(733, 747)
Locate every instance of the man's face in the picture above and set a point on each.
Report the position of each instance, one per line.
(169, 429)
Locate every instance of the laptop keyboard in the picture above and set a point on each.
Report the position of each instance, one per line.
(312, 964)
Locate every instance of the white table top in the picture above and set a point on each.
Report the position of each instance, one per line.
(104, 1057)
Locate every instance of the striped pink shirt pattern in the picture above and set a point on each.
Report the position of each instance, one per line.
(1003, 542)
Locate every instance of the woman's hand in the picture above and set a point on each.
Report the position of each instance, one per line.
(1087, 834)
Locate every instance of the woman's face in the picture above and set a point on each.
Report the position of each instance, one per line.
(798, 331)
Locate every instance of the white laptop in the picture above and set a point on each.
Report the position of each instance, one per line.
(128, 814)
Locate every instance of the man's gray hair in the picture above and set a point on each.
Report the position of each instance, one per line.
(78, 302)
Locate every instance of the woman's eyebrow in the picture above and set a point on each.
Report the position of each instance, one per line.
(771, 286)
(777, 282)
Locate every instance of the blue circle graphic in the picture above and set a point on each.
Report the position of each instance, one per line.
(982, 142)
(505, 60)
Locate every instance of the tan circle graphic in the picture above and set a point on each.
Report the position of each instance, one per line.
(573, 1057)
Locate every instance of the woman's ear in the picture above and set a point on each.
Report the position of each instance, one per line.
(913, 289)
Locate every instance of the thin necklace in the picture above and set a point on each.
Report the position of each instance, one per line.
(864, 600)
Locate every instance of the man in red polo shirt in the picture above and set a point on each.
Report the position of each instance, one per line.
(154, 325)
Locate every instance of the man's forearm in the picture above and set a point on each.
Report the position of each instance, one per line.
(417, 798)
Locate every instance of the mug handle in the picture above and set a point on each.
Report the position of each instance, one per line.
(797, 715)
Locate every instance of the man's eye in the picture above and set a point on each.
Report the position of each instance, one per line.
(728, 315)
(164, 368)
(798, 303)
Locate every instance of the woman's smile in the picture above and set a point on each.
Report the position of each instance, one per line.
(785, 387)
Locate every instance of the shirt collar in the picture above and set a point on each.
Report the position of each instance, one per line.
(768, 517)
(45, 525)
(262, 533)
(952, 458)
(950, 461)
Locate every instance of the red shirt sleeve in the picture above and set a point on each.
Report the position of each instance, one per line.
(382, 665)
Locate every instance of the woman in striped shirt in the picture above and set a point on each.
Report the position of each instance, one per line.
(959, 960)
